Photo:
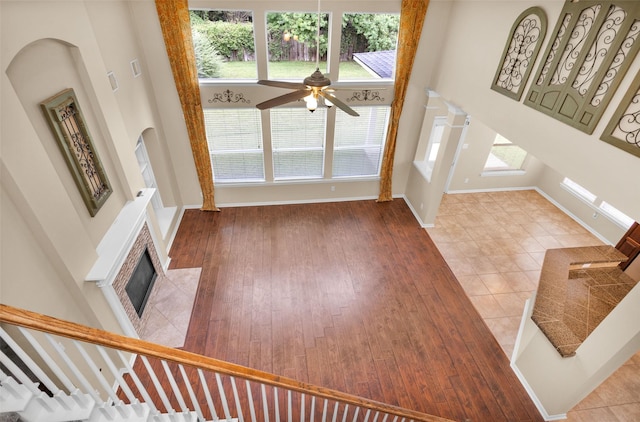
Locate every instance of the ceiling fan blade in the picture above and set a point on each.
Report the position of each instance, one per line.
(342, 106)
(283, 99)
(282, 84)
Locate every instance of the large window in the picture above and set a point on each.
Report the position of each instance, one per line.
(288, 142)
(368, 45)
(235, 144)
(358, 143)
(292, 45)
(298, 143)
(224, 44)
(505, 156)
(608, 210)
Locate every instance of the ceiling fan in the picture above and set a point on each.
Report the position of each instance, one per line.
(314, 89)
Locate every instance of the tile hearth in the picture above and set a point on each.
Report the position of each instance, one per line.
(170, 307)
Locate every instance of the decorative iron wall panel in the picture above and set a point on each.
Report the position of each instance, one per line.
(623, 130)
(595, 43)
(520, 52)
(69, 126)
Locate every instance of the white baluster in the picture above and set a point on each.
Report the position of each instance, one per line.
(250, 400)
(33, 367)
(265, 403)
(156, 384)
(74, 369)
(207, 395)
(223, 397)
(97, 373)
(174, 386)
(324, 410)
(59, 373)
(355, 415)
(136, 380)
(335, 412)
(194, 399)
(313, 408)
(344, 414)
(236, 398)
(275, 400)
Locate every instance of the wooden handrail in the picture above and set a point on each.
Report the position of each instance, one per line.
(51, 325)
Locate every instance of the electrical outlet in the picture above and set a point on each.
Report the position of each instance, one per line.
(333, 188)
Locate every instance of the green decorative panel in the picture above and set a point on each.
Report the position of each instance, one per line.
(623, 130)
(594, 44)
(523, 45)
(68, 125)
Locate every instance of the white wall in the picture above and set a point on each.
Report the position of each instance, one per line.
(557, 384)
(47, 47)
(476, 35)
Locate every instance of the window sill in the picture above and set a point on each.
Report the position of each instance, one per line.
(424, 169)
(494, 173)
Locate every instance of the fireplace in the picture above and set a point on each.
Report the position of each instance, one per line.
(139, 286)
(139, 273)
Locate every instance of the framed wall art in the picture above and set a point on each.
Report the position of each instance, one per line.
(623, 130)
(69, 127)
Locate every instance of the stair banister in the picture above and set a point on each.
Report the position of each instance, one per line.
(47, 324)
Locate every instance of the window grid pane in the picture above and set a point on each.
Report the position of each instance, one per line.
(358, 142)
(298, 137)
(505, 155)
(291, 37)
(235, 144)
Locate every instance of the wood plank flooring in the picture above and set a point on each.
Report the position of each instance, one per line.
(352, 296)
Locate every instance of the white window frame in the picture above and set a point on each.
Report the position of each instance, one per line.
(599, 206)
(224, 93)
(373, 142)
(426, 163)
(578, 191)
(145, 167)
(501, 141)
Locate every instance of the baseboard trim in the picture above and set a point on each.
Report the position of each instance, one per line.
(573, 216)
(543, 412)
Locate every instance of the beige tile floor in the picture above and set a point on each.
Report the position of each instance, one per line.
(170, 306)
(495, 242)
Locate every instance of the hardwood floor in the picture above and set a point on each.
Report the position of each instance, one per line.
(352, 296)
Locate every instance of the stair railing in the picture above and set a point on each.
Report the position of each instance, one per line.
(149, 382)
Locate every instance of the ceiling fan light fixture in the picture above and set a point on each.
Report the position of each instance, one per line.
(312, 102)
(313, 86)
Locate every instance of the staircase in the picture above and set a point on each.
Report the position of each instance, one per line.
(56, 371)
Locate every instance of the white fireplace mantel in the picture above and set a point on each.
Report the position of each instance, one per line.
(118, 240)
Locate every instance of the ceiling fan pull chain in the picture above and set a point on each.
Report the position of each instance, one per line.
(318, 39)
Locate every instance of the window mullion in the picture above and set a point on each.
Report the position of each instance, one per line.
(260, 43)
(267, 145)
(330, 129)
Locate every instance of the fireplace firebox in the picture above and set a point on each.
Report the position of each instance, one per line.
(139, 286)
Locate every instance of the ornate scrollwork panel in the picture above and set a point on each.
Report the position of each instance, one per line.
(599, 49)
(575, 44)
(228, 96)
(69, 126)
(616, 63)
(520, 52)
(623, 130)
(365, 95)
(594, 45)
